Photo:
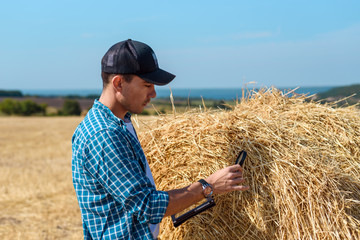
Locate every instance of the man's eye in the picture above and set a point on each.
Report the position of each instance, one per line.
(148, 86)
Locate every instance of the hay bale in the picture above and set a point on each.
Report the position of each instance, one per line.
(303, 168)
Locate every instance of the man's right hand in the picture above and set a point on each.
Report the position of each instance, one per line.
(227, 180)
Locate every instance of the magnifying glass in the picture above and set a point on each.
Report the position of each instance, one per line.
(177, 221)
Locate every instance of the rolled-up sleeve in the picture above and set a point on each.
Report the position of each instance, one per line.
(115, 164)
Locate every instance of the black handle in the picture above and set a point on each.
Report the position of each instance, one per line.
(177, 221)
(241, 158)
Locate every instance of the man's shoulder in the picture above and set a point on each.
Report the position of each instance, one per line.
(97, 121)
(99, 125)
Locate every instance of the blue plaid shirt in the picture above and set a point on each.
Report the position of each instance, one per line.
(116, 198)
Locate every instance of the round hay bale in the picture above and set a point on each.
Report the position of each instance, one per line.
(302, 167)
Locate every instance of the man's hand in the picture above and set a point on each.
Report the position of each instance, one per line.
(227, 180)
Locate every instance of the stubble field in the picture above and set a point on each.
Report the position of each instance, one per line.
(37, 198)
(302, 168)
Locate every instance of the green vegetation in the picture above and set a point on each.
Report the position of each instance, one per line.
(338, 93)
(22, 108)
(4, 93)
(70, 107)
(28, 108)
(342, 91)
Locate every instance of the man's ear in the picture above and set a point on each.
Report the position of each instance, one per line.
(117, 82)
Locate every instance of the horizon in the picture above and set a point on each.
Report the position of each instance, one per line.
(90, 91)
(206, 93)
(185, 88)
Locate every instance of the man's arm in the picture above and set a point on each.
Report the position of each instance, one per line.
(115, 170)
(222, 181)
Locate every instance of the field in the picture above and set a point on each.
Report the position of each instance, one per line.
(37, 198)
(302, 167)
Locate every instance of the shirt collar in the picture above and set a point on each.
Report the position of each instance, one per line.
(109, 114)
(127, 117)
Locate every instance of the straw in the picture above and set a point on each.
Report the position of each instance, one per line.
(303, 167)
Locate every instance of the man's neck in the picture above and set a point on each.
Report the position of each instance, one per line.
(111, 102)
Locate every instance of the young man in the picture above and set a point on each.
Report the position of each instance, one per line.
(111, 176)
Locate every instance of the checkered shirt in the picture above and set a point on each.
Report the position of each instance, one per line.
(116, 198)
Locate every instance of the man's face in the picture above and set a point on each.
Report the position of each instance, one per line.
(137, 94)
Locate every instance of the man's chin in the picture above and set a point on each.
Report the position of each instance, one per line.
(139, 111)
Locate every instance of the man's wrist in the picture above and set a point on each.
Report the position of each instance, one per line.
(207, 189)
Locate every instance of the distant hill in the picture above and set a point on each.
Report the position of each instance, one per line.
(338, 93)
(342, 91)
(6, 93)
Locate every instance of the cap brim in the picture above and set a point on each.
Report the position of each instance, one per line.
(158, 77)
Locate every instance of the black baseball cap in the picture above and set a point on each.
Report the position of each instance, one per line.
(133, 57)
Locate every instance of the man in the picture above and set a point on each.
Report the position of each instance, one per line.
(111, 176)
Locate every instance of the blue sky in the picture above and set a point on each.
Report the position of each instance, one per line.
(207, 44)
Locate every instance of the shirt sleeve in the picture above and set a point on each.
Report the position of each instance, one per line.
(114, 163)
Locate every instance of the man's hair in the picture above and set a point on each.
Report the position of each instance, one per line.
(107, 76)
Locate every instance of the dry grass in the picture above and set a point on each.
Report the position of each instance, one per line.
(303, 168)
(37, 198)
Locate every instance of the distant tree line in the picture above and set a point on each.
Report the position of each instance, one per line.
(28, 108)
(342, 92)
(17, 93)
(24, 108)
(70, 107)
(351, 94)
(4, 93)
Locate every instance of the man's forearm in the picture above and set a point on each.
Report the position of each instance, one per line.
(222, 181)
(180, 199)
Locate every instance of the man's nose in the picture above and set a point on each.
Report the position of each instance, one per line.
(153, 92)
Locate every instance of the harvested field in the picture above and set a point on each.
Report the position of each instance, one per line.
(303, 168)
(37, 198)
